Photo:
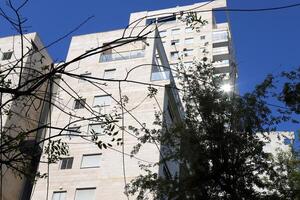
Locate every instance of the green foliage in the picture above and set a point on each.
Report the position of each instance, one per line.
(56, 149)
(216, 147)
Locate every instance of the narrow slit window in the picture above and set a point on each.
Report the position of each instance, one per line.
(66, 163)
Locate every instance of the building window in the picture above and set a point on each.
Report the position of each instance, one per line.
(79, 103)
(159, 73)
(82, 79)
(175, 42)
(161, 19)
(85, 194)
(202, 37)
(175, 31)
(96, 129)
(163, 34)
(75, 130)
(109, 74)
(7, 55)
(219, 35)
(188, 29)
(174, 55)
(188, 64)
(108, 56)
(61, 195)
(169, 18)
(188, 52)
(151, 21)
(103, 100)
(188, 40)
(90, 161)
(66, 163)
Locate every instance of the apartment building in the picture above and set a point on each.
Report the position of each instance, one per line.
(90, 172)
(21, 114)
(186, 44)
(93, 173)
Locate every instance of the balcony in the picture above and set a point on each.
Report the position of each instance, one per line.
(221, 63)
(220, 39)
(220, 51)
(220, 36)
(122, 56)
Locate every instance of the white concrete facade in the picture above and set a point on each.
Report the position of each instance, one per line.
(23, 113)
(105, 180)
(212, 40)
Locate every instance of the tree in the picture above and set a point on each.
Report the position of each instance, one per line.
(220, 126)
(28, 83)
(220, 155)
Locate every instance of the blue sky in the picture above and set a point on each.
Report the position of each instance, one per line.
(265, 42)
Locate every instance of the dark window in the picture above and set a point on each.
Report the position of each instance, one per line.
(66, 163)
(166, 19)
(150, 21)
(75, 130)
(79, 103)
(161, 19)
(7, 55)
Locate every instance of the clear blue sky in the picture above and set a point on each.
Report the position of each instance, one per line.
(265, 42)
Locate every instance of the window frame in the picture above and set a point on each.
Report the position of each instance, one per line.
(66, 159)
(175, 42)
(188, 52)
(95, 124)
(104, 105)
(6, 55)
(188, 30)
(79, 102)
(190, 41)
(175, 31)
(75, 128)
(87, 188)
(174, 53)
(110, 70)
(163, 33)
(59, 192)
(93, 154)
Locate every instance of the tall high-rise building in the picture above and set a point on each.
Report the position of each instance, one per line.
(90, 90)
(189, 42)
(22, 62)
(124, 69)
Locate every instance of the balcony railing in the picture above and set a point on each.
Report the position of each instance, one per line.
(220, 36)
(122, 56)
(221, 63)
(220, 50)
